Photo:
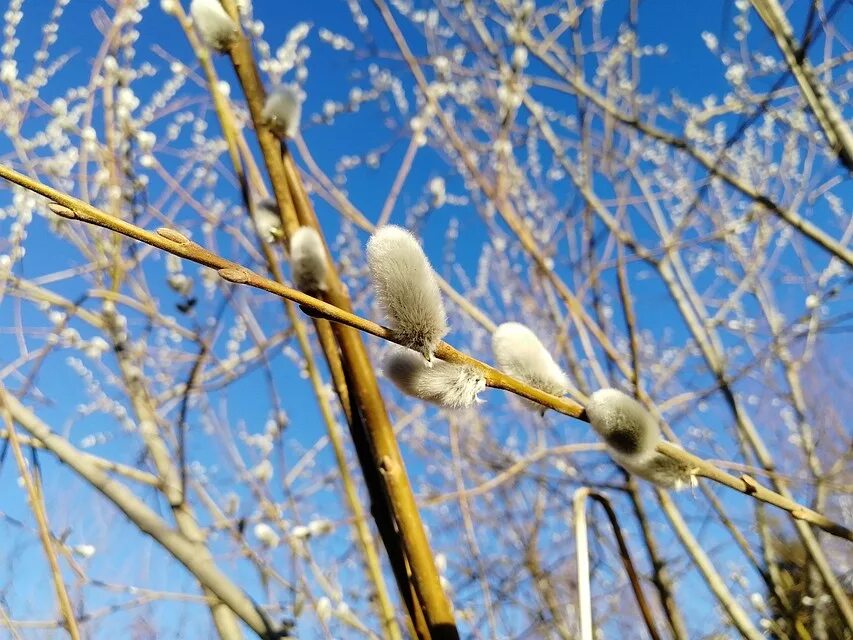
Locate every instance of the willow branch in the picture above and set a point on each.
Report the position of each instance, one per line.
(826, 112)
(37, 504)
(184, 550)
(709, 162)
(177, 244)
(226, 118)
(132, 473)
(736, 614)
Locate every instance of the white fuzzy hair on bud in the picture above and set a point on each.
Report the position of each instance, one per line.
(522, 355)
(661, 470)
(626, 426)
(448, 385)
(265, 534)
(216, 27)
(324, 609)
(282, 111)
(308, 260)
(407, 289)
(268, 220)
(631, 434)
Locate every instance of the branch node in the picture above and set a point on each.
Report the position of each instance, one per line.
(751, 484)
(62, 210)
(387, 466)
(173, 235)
(238, 276)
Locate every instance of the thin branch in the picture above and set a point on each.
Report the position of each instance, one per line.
(585, 604)
(33, 489)
(838, 134)
(177, 244)
(184, 550)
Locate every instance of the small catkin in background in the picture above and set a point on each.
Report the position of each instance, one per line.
(282, 111)
(217, 29)
(308, 260)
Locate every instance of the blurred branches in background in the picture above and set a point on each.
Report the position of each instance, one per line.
(666, 206)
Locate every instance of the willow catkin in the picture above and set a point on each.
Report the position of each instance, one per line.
(282, 111)
(519, 353)
(631, 434)
(268, 220)
(265, 534)
(626, 426)
(448, 385)
(661, 470)
(217, 29)
(407, 289)
(308, 260)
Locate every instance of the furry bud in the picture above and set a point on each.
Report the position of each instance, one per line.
(308, 260)
(282, 111)
(661, 470)
(268, 220)
(519, 353)
(448, 385)
(627, 428)
(324, 609)
(631, 434)
(266, 535)
(216, 27)
(407, 289)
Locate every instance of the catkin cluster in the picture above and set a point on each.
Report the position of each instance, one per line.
(308, 260)
(407, 290)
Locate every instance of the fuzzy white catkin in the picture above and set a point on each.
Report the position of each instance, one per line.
(300, 532)
(319, 527)
(520, 353)
(308, 260)
(660, 470)
(407, 289)
(324, 609)
(266, 535)
(282, 111)
(268, 220)
(263, 471)
(84, 550)
(216, 27)
(631, 434)
(626, 426)
(448, 385)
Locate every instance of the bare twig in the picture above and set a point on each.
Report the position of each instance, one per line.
(582, 552)
(184, 550)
